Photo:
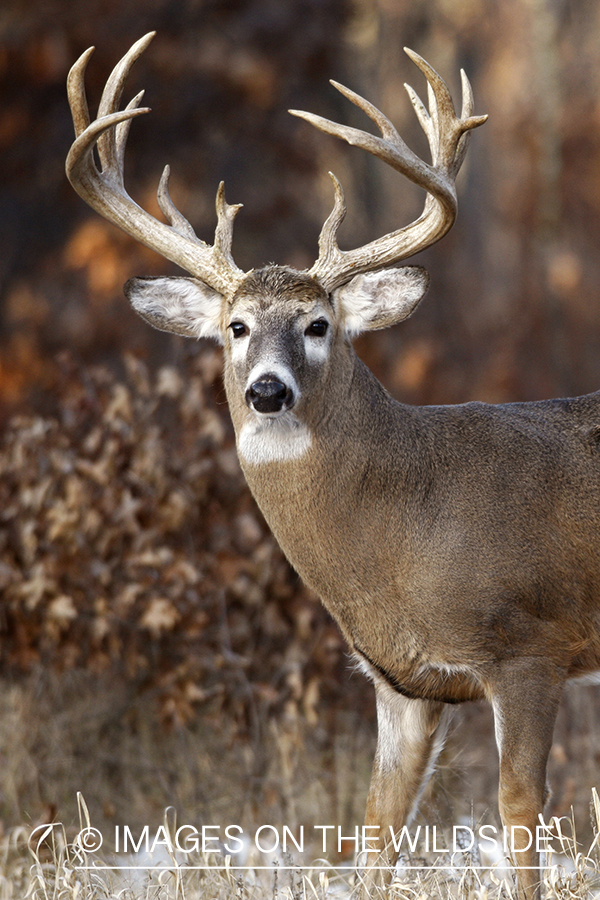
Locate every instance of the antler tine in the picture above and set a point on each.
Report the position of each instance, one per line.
(105, 192)
(421, 111)
(391, 148)
(466, 115)
(383, 123)
(444, 130)
(447, 136)
(226, 214)
(329, 251)
(468, 102)
(122, 133)
(111, 98)
(176, 220)
(76, 92)
(80, 167)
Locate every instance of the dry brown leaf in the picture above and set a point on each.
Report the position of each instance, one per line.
(62, 610)
(160, 616)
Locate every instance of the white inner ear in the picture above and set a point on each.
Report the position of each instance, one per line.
(380, 299)
(181, 305)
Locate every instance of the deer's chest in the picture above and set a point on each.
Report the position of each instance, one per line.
(419, 680)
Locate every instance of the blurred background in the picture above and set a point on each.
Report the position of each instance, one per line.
(155, 647)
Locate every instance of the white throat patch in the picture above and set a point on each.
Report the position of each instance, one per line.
(273, 439)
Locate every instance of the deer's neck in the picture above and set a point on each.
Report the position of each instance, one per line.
(331, 507)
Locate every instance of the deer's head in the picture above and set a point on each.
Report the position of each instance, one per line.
(283, 331)
(283, 335)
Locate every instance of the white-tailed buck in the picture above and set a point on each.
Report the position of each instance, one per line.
(457, 547)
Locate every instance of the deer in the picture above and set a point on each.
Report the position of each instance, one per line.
(457, 547)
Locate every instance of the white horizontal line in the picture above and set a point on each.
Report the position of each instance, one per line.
(278, 868)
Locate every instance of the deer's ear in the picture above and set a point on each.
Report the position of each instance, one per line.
(379, 299)
(184, 306)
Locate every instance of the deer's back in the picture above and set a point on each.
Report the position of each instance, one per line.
(505, 547)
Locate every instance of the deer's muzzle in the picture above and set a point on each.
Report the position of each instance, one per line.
(269, 395)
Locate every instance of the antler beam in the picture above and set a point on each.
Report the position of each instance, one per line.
(448, 138)
(104, 190)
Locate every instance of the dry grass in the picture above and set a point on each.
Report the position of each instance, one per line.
(83, 732)
(221, 691)
(44, 863)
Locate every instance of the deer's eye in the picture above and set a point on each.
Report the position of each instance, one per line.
(238, 329)
(317, 328)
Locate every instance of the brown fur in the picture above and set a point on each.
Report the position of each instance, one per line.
(457, 547)
(459, 550)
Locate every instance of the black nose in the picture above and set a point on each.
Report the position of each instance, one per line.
(268, 395)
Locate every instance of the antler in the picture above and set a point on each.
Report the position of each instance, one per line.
(448, 138)
(104, 189)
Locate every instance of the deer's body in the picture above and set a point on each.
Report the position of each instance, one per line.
(457, 547)
(454, 522)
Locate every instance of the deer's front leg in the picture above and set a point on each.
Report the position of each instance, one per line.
(409, 738)
(525, 701)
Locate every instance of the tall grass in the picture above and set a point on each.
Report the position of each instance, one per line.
(44, 863)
